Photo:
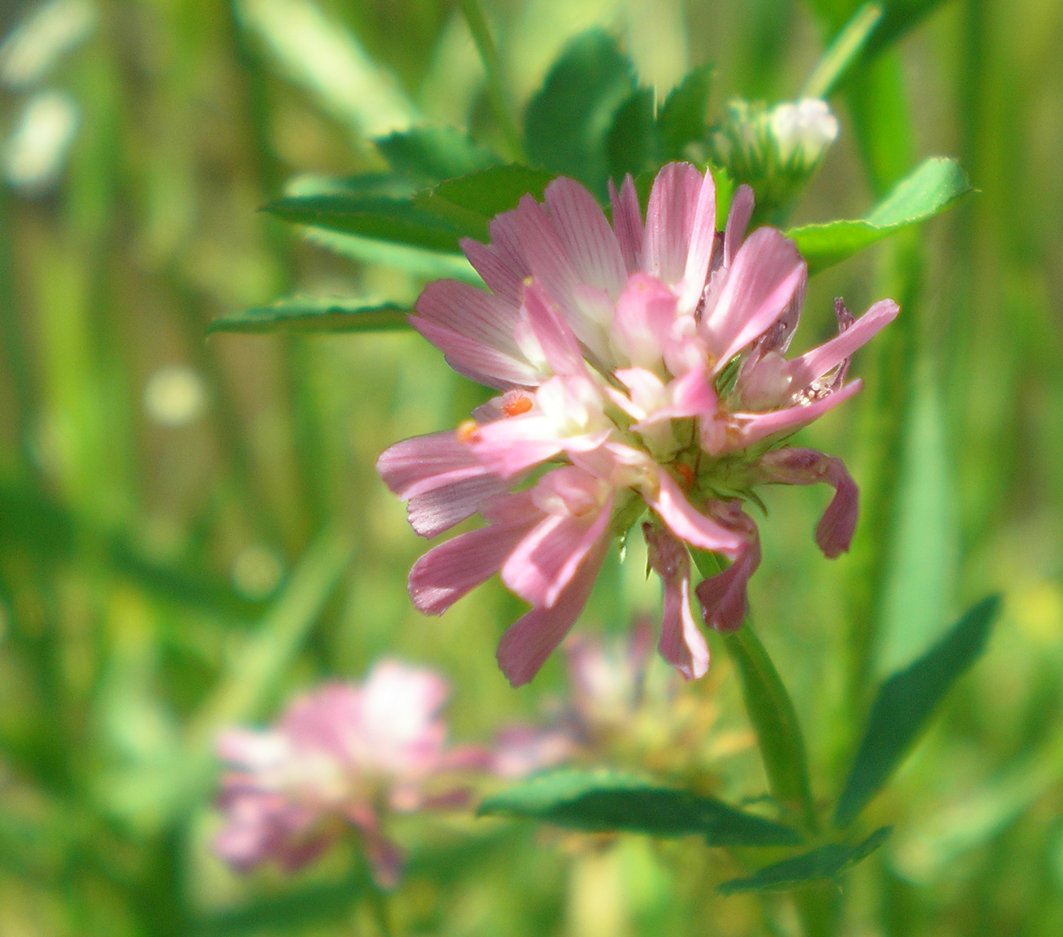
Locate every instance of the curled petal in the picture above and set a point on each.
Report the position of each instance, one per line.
(834, 532)
(723, 596)
(682, 644)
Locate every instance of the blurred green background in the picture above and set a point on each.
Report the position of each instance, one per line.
(192, 529)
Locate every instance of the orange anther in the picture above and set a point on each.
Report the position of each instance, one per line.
(517, 405)
(468, 431)
(686, 473)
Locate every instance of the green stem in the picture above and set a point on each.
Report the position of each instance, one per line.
(474, 17)
(770, 709)
(842, 51)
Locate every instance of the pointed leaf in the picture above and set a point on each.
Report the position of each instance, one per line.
(381, 218)
(905, 703)
(568, 119)
(929, 190)
(632, 141)
(682, 119)
(431, 154)
(311, 314)
(602, 800)
(823, 864)
(470, 202)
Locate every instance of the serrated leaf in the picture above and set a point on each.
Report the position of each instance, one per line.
(905, 704)
(568, 120)
(395, 220)
(470, 202)
(682, 119)
(431, 154)
(314, 315)
(597, 801)
(632, 140)
(932, 188)
(823, 864)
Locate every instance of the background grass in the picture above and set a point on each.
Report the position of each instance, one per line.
(158, 581)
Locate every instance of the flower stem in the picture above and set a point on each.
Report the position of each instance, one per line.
(774, 719)
(474, 17)
(770, 709)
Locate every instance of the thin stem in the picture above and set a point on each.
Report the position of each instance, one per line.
(474, 17)
(842, 51)
(770, 709)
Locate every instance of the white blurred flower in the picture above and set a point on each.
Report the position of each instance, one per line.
(34, 155)
(175, 395)
(30, 50)
(804, 129)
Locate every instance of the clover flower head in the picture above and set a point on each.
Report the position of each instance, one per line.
(641, 369)
(342, 757)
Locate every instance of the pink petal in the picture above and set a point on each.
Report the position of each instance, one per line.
(723, 596)
(477, 361)
(687, 523)
(435, 512)
(642, 324)
(815, 363)
(834, 532)
(558, 341)
(737, 222)
(426, 463)
(501, 264)
(451, 570)
(764, 276)
(531, 639)
(682, 644)
(702, 240)
(544, 562)
(590, 243)
(627, 222)
(749, 428)
(675, 201)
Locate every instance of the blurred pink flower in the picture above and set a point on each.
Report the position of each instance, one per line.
(345, 755)
(642, 366)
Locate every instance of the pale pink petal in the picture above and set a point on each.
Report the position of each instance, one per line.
(682, 644)
(559, 344)
(544, 562)
(670, 214)
(834, 532)
(737, 222)
(501, 264)
(531, 639)
(688, 523)
(590, 243)
(815, 363)
(748, 428)
(477, 361)
(627, 222)
(643, 320)
(758, 286)
(723, 596)
(702, 239)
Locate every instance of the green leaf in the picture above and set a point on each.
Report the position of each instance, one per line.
(905, 703)
(919, 574)
(603, 800)
(933, 187)
(567, 122)
(470, 202)
(825, 863)
(310, 314)
(382, 218)
(632, 140)
(431, 154)
(682, 119)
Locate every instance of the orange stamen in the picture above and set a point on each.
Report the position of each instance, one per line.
(468, 431)
(517, 405)
(686, 473)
